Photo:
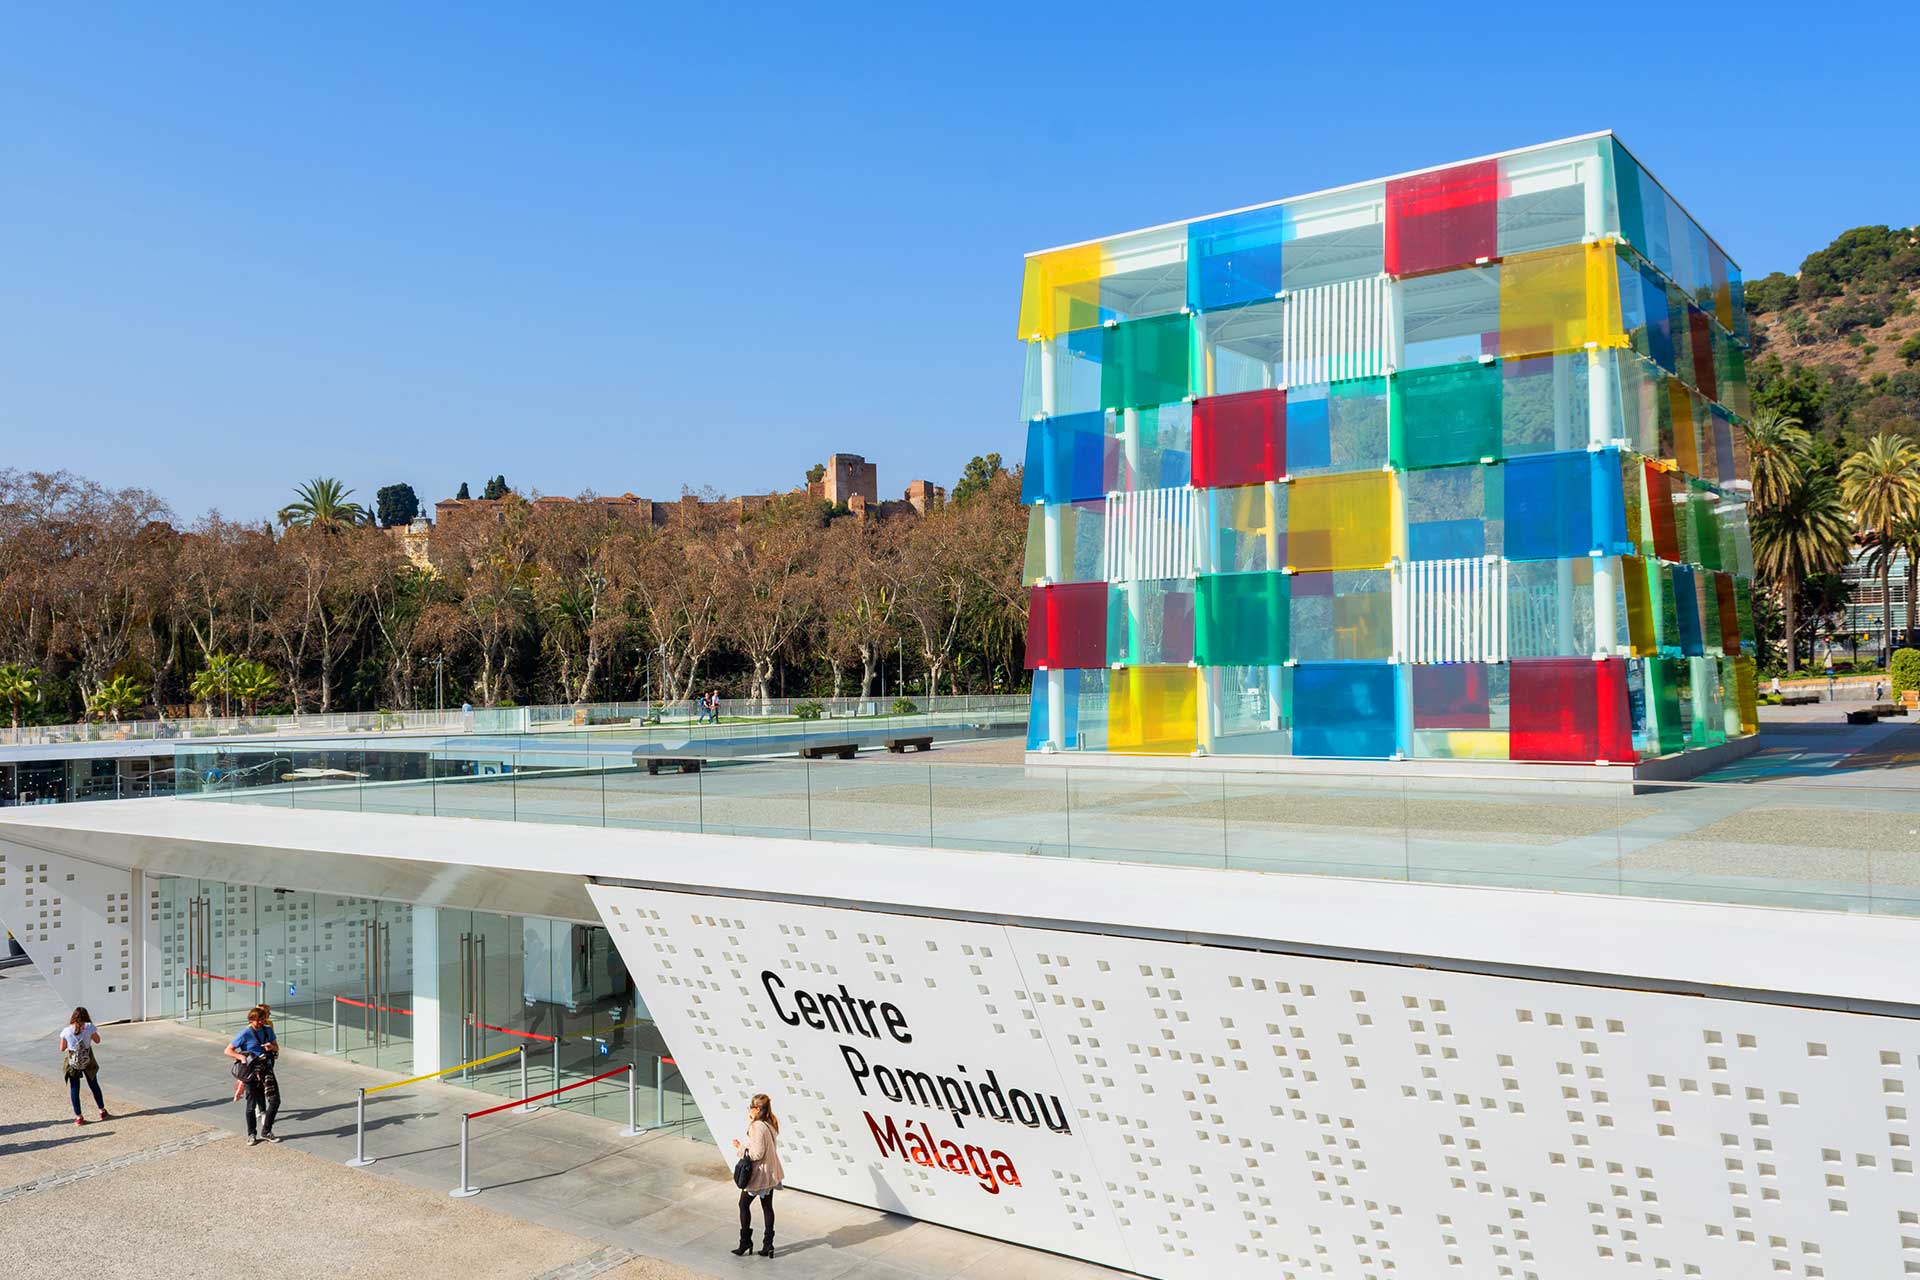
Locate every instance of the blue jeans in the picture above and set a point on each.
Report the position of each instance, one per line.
(93, 1083)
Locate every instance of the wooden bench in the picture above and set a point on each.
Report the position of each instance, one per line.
(685, 764)
(1862, 717)
(821, 750)
(1799, 699)
(899, 746)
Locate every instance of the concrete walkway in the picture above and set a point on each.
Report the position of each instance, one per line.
(654, 1197)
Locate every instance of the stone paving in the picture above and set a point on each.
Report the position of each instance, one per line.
(158, 1192)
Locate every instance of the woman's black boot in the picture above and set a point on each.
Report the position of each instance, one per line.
(766, 1246)
(746, 1245)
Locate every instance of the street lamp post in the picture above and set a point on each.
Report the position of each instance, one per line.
(439, 701)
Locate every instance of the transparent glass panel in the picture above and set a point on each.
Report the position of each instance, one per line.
(1342, 617)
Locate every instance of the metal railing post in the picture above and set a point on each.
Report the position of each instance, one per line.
(659, 1091)
(633, 1129)
(360, 1159)
(463, 1190)
(336, 1024)
(524, 1106)
(556, 1062)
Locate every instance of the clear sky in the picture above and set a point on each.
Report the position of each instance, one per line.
(635, 247)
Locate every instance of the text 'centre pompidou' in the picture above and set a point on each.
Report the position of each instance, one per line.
(1449, 465)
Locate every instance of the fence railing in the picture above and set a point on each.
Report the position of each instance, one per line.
(484, 720)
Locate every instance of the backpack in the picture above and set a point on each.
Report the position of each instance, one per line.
(80, 1057)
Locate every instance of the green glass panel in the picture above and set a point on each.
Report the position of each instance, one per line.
(1743, 609)
(1144, 363)
(1710, 635)
(1666, 614)
(1241, 620)
(1706, 527)
(1446, 415)
(1667, 681)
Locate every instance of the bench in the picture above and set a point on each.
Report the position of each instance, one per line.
(1799, 699)
(685, 764)
(1889, 709)
(821, 750)
(1862, 717)
(899, 746)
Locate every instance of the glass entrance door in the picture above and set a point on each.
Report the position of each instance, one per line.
(480, 967)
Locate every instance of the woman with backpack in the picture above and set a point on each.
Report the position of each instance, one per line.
(253, 1052)
(78, 1063)
(758, 1172)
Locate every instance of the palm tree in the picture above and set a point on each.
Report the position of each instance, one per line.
(19, 687)
(117, 696)
(1777, 447)
(215, 680)
(1805, 533)
(321, 503)
(1882, 485)
(252, 681)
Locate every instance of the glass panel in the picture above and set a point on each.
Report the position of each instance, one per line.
(1686, 607)
(1144, 362)
(1062, 376)
(1247, 705)
(1446, 415)
(1570, 710)
(1550, 608)
(1450, 317)
(1150, 622)
(1244, 348)
(1341, 521)
(1083, 539)
(1460, 711)
(1344, 710)
(1240, 439)
(1546, 196)
(1337, 427)
(1067, 626)
(1565, 504)
(1343, 617)
(1155, 450)
(1237, 257)
(1061, 292)
(1442, 219)
(1700, 331)
(1335, 237)
(1642, 633)
(1455, 512)
(1242, 619)
(1153, 710)
(1646, 414)
(1246, 527)
(1559, 300)
(1066, 459)
(1728, 609)
(1143, 274)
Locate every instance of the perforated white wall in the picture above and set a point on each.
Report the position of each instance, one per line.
(75, 919)
(1241, 1113)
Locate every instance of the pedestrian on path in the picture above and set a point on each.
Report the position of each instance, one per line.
(77, 1061)
(254, 1052)
(240, 1084)
(763, 1148)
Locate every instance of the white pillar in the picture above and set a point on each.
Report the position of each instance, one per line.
(1054, 555)
(1605, 568)
(426, 990)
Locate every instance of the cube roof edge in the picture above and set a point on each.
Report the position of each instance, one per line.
(1393, 177)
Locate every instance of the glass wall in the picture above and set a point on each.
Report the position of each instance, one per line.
(342, 976)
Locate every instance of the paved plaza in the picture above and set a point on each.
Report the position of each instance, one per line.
(169, 1188)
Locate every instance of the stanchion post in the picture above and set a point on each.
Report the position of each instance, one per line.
(463, 1190)
(556, 1062)
(360, 1158)
(633, 1129)
(336, 1024)
(659, 1091)
(524, 1106)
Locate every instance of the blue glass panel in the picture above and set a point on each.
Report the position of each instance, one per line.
(1066, 459)
(1446, 539)
(1344, 709)
(1309, 435)
(1653, 298)
(1236, 258)
(1037, 721)
(1686, 601)
(1562, 505)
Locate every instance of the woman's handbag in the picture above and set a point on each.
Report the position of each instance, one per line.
(743, 1172)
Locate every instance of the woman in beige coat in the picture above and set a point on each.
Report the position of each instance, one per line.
(763, 1148)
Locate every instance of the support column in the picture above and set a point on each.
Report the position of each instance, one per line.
(427, 1055)
(1606, 622)
(1054, 557)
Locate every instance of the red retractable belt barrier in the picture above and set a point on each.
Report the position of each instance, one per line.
(245, 982)
(377, 1008)
(474, 1115)
(509, 1031)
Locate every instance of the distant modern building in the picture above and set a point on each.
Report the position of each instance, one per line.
(1444, 466)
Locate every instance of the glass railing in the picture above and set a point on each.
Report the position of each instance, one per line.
(1811, 844)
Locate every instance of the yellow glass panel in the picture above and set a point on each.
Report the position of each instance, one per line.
(1559, 300)
(1747, 690)
(1153, 710)
(1686, 444)
(1061, 292)
(1477, 744)
(1633, 581)
(1341, 521)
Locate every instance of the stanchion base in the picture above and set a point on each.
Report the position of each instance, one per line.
(527, 1110)
(359, 1163)
(632, 1133)
(461, 1193)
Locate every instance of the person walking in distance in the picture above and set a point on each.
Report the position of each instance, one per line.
(266, 1019)
(763, 1148)
(254, 1052)
(78, 1062)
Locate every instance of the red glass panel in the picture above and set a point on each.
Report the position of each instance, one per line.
(1453, 696)
(1239, 439)
(1067, 626)
(1666, 538)
(1444, 219)
(1570, 710)
(1729, 614)
(1702, 332)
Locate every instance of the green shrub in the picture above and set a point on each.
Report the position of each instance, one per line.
(1905, 670)
(904, 707)
(809, 710)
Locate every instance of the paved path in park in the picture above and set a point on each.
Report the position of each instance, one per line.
(171, 1188)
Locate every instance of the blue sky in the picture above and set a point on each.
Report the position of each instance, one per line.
(635, 247)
